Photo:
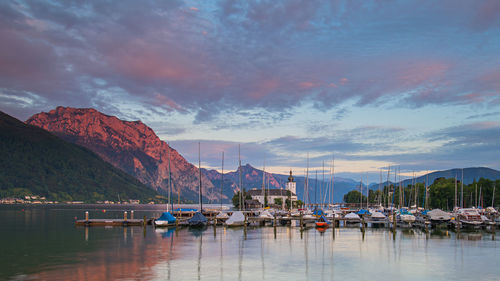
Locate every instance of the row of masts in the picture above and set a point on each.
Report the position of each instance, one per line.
(328, 191)
(323, 192)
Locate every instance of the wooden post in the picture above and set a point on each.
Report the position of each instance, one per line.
(245, 227)
(301, 222)
(333, 226)
(131, 215)
(274, 225)
(363, 223)
(125, 216)
(214, 221)
(394, 221)
(86, 215)
(144, 222)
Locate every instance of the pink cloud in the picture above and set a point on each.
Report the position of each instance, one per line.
(421, 72)
(307, 84)
(264, 88)
(166, 101)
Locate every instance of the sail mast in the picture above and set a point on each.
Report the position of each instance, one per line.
(169, 179)
(456, 198)
(199, 172)
(462, 190)
(264, 183)
(239, 169)
(493, 198)
(307, 182)
(333, 180)
(222, 181)
(361, 192)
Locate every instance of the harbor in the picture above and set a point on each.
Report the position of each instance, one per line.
(216, 252)
(342, 217)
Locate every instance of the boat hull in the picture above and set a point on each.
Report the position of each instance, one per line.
(162, 223)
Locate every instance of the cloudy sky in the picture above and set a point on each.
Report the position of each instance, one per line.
(374, 83)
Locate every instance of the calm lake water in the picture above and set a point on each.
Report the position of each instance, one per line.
(42, 243)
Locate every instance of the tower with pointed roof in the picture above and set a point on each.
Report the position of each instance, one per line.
(291, 184)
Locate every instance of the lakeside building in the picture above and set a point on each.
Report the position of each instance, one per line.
(272, 194)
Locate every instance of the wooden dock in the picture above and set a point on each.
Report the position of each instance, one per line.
(110, 222)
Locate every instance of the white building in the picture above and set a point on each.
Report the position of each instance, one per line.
(272, 194)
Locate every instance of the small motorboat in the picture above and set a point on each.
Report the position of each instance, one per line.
(322, 222)
(469, 217)
(166, 219)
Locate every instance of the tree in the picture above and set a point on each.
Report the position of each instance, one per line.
(354, 196)
(236, 199)
(278, 201)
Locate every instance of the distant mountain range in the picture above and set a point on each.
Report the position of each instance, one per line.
(134, 148)
(252, 179)
(36, 162)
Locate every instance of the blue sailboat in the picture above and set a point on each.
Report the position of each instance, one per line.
(166, 219)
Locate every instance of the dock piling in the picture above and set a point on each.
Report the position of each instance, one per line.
(86, 215)
(274, 226)
(333, 226)
(301, 222)
(125, 216)
(394, 221)
(131, 215)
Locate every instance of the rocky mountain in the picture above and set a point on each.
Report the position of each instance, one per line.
(36, 162)
(129, 145)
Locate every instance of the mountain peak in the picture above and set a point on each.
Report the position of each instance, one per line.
(129, 145)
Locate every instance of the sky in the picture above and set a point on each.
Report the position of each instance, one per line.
(415, 84)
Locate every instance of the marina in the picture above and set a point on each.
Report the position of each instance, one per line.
(392, 219)
(47, 246)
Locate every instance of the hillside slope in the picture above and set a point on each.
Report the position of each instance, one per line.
(36, 161)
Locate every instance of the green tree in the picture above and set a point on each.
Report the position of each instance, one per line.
(354, 196)
(236, 199)
(278, 201)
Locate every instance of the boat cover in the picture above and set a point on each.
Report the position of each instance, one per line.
(363, 212)
(237, 218)
(352, 216)
(166, 216)
(197, 219)
(318, 212)
(323, 219)
(265, 214)
(438, 214)
(378, 215)
(221, 215)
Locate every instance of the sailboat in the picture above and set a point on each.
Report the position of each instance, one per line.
(198, 219)
(236, 219)
(167, 219)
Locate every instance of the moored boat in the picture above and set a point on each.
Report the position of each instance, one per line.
(236, 219)
(438, 217)
(352, 218)
(322, 222)
(166, 219)
(198, 220)
(469, 217)
(377, 219)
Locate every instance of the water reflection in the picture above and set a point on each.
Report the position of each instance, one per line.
(231, 254)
